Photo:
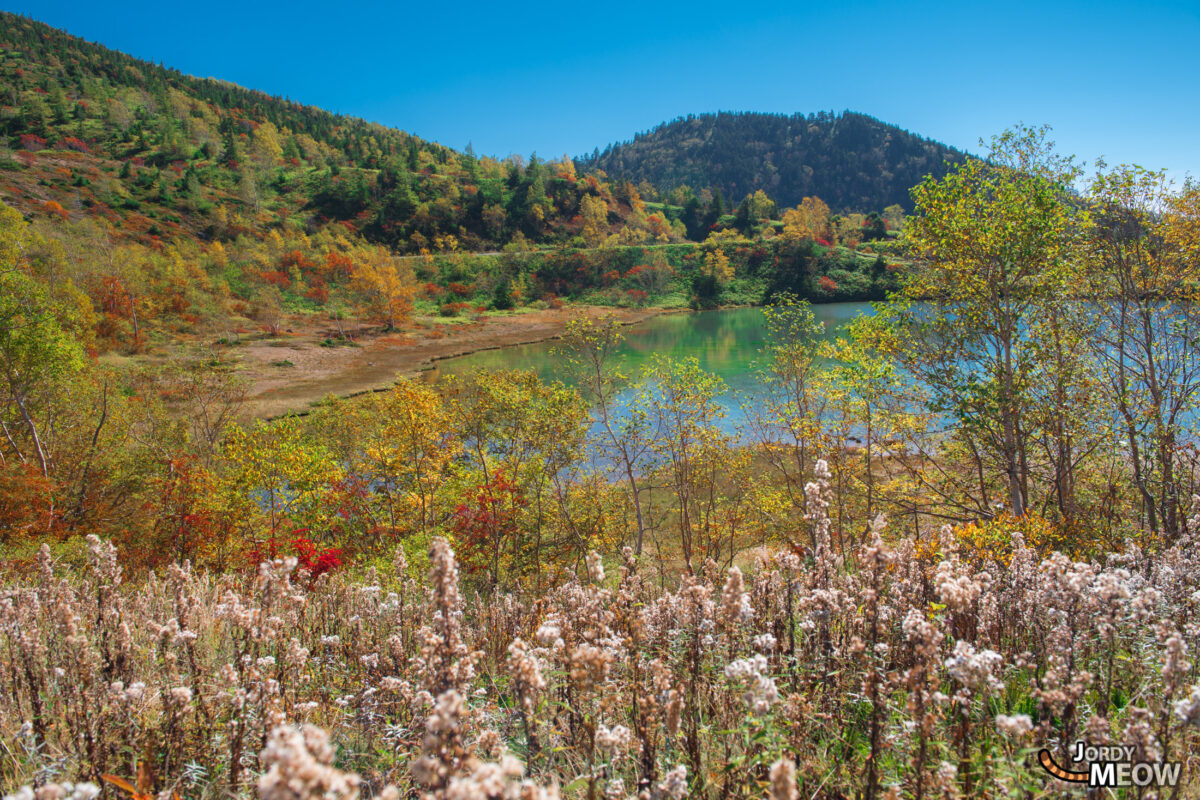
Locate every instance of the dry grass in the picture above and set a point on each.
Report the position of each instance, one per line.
(900, 671)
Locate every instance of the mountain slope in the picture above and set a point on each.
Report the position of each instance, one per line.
(155, 152)
(851, 161)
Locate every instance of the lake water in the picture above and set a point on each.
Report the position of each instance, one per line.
(727, 343)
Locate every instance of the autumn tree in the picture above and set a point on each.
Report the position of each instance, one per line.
(387, 290)
(590, 349)
(680, 405)
(36, 348)
(520, 435)
(1145, 251)
(400, 443)
(997, 240)
(594, 211)
(809, 220)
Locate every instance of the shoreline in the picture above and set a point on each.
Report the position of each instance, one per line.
(288, 375)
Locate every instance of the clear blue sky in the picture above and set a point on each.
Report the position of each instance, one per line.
(1115, 79)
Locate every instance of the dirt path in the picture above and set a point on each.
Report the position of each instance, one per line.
(290, 373)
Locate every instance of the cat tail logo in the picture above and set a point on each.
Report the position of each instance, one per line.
(1112, 767)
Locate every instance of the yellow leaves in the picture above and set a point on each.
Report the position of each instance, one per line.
(716, 264)
(277, 464)
(387, 287)
(594, 211)
(808, 221)
(406, 431)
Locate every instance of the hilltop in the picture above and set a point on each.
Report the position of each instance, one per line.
(851, 161)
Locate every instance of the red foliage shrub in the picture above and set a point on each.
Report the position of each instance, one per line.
(338, 265)
(823, 243)
(460, 289)
(72, 143)
(453, 309)
(314, 561)
(296, 259)
(433, 291)
(277, 277)
(486, 520)
(55, 209)
(32, 142)
(827, 283)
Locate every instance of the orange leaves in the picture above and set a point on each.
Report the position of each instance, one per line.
(55, 210)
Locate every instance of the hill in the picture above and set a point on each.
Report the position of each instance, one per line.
(159, 153)
(851, 161)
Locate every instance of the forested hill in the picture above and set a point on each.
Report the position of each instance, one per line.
(851, 161)
(88, 132)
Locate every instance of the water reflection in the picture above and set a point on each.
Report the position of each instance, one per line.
(726, 343)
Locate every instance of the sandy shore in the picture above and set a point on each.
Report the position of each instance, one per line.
(288, 374)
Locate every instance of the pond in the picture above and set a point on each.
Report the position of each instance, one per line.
(727, 343)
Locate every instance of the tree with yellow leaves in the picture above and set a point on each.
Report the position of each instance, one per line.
(386, 289)
(594, 211)
(808, 221)
(401, 443)
(998, 239)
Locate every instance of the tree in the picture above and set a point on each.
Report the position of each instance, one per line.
(679, 401)
(893, 215)
(590, 347)
(386, 288)
(520, 435)
(1145, 247)
(595, 220)
(401, 444)
(36, 348)
(809, 220)
(997, 239)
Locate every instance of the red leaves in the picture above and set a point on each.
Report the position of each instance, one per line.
(277, 278)
(827, 284)
(314, 561)
(486, 520)
(72, 143)
(295, 258)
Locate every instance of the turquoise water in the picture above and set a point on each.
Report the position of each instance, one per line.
(727, 343)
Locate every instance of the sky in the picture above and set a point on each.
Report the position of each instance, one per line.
(1118, 80)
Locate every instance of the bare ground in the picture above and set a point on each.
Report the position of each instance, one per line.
(316, 371)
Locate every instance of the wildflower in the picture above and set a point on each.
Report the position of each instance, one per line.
(675, 784)
(1015, 726)
(764, 643)
(1188, 709)
(735, 600)
(299, 766)
(783, 780)
(613, 741)
(56, 791)
(761, 692)
(595, 567)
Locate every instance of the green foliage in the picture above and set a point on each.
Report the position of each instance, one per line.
(851, 161)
